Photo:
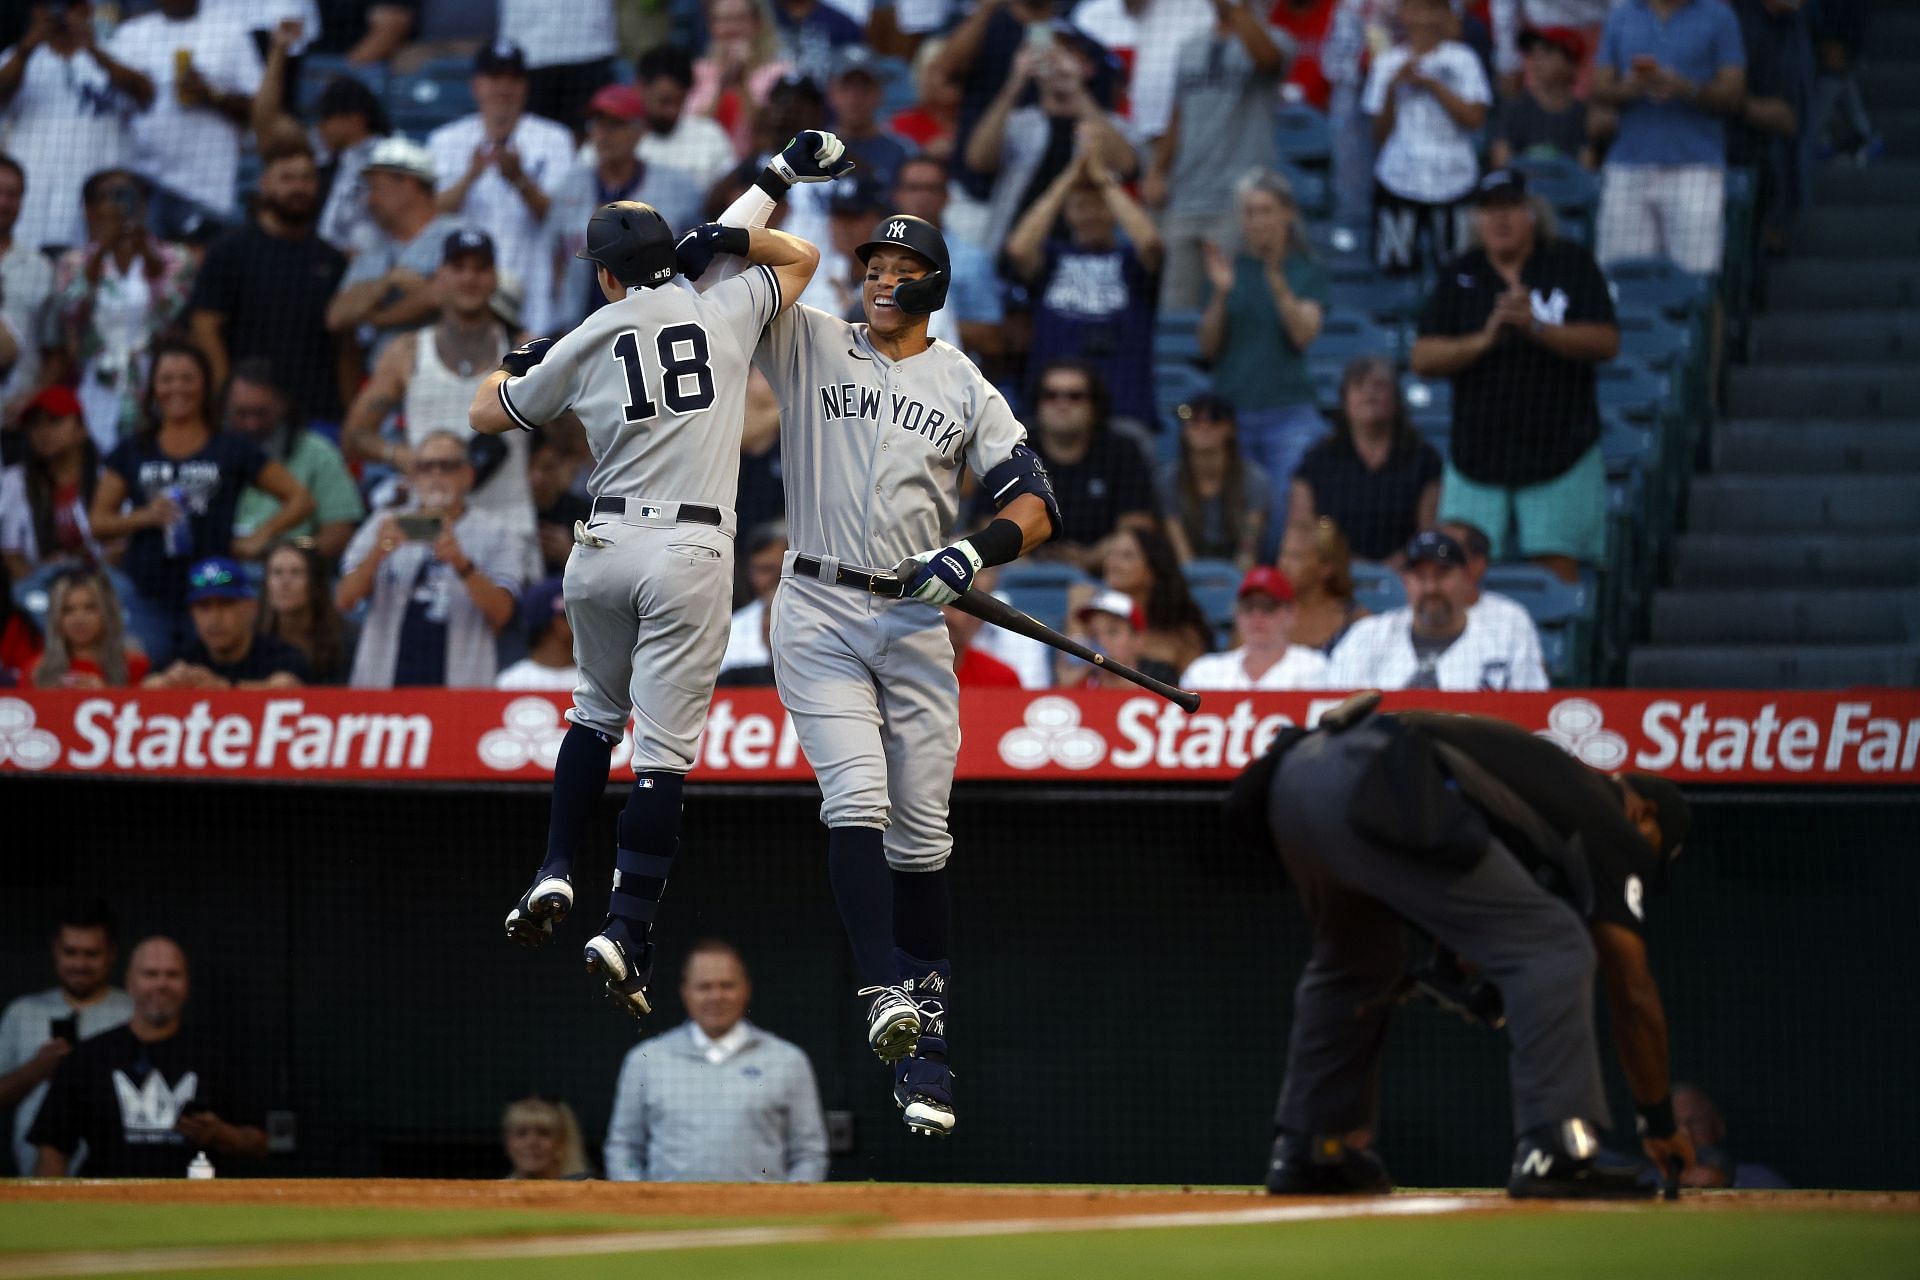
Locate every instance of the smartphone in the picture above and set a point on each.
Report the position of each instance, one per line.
(67, 1028)
(1040, 34)
(420, 528)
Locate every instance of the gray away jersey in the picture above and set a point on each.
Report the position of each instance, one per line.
(871, 449)
(659, 380)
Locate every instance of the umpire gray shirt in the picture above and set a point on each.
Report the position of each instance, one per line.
(752, 1116)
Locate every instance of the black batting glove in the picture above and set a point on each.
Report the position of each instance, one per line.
(520, 359)
(698, 248)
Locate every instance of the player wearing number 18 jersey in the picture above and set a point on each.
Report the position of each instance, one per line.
(658, 379)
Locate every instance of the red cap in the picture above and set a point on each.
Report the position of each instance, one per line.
(1265, 580)
(1569, 40)
(56, 402)
(1117, 603)
(621, 101)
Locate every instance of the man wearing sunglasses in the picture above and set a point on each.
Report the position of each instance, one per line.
(227, 650)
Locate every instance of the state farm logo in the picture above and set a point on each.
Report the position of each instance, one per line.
(1576, 727)
(1052, 734)
(22, 744)
(530, 733)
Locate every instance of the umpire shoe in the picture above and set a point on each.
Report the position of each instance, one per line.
(893, 1022)
(1324, 1165)
(544, 905)
(627, 972)
(923, 1090)
(1565, 1162)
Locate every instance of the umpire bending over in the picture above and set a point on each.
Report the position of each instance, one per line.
(1517, 858)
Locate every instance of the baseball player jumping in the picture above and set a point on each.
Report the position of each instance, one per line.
(659, 380)
(876, 421)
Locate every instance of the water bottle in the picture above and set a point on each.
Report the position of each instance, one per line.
(201, 1168)
(178, 534)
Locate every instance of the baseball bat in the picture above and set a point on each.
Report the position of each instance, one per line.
(1003, 615)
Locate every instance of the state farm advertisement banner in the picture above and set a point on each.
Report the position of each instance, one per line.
(1859, 736)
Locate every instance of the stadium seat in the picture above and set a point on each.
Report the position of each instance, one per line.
(1376, 587)
(1573, 192)
(420, 103)
(1346, 336)
(1631, 388)
(316, 69)
(1628, 446)
(1658, 284)
(1174, 385)
(1653, 339)
(1302, 136)
(1311, 190)
(1423, 395)
(1388, 299)
(1039, 588)
(1546, 599)
(1176, 336)
(1212, 573)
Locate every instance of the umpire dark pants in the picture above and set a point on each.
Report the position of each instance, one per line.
(1359, 896)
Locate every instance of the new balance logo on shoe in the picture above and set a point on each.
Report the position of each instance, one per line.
(1538, 1164)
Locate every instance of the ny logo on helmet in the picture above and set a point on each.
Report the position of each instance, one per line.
(896, 231)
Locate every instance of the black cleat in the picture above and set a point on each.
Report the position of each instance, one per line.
(626, 973)
(544, 905)
(1324, 1166)
(1565, 1162)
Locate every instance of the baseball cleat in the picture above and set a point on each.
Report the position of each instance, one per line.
(1324, 1165)
(540, 908)
(1565, 1162)
(893, 1022)
(626, 973)
(923, 1090)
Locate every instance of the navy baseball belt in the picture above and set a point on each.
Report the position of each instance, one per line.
(684, 512)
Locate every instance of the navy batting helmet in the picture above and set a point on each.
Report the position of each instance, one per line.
(632, 241)
(903, 230)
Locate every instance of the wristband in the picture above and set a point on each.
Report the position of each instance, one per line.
(998, 543)
(772, 183)
(733, 240)
(1656, 1119)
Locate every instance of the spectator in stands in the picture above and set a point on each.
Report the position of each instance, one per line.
(1101, 478)
(86, 643)
(758, 577)
(1839, 32)
(1111, 623)
(1356, 30)
(301, 614)
(228, 649)
(853, 96)
(204, 69)
(1673, 70)
(929, 123)
(498, 171)
(1510, 21)
(811, 33)
(1216, 499)
(26, 281)
(716, 1099)
(1092, 290)
(20, 644)
(973, 665)
(1519, 325)
(1702, 1122)
(1316, 560)
(66, 105)
(263, 289)
(1496, 610)
(1148, 36)
(1307, 24)
(979, 56)
(45, 498)
(549, 661)
(676, 138)
(1265, 309)
(1427, 96)
(735, 78)
(1025, 147)
(1374, 476)
(1766, 135)
(388, 287)
(542, 1139)
(258, 410)
(551, 468)
(1433, 642)
(442, 578)
(973, 298)
(569, 46)
(180, 1077)
(1139, 562)
(1227, 90)
(367, 32)
(181, 481)
(1267, 658)
(350, 124)
(39, 1031)
(1543, 118)
(857, 203)
(111, 298)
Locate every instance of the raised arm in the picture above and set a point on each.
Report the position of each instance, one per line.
(1027, 243)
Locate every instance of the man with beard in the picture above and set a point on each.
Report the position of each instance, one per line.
(264, 289)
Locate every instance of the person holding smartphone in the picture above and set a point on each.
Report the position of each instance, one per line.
(39, 1031)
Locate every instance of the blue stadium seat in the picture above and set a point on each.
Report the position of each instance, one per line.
(1571, 190)
(1326, 375)
(1556, 652)
(897, 91)
(1658, 284)
(1633, 389)
(1311, 190)
(1212, 573)
(1423, 395)
(1628, 446)
(316, 69)
(1216, 602)
(1544, 596)
(1376, 587)
(1346, 336)
(1041, 603)
(1303, 136)
(1654, 339)
(1039, 588)
(1173, 386)
(1176, 336)
(420, 103)
(1388, 299)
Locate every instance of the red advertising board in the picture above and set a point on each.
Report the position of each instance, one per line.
(1857, 736)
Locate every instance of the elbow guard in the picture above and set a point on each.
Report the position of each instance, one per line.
(1024, 473)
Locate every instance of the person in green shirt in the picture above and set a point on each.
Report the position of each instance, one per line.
(1266, 305)
(257, 408)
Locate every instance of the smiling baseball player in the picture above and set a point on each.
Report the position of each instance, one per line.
(658, 378)
(876, 421)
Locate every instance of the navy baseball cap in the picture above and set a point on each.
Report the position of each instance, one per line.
(540, 605)
(467, 242)
(501, 58)
(1501, 186)
(1435, 547)
(218, 578)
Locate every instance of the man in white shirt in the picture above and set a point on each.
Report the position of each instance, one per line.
(499, 170)
(205, 69)
(66, 107)
(1501, 615)
(569, 46)
(26, 278)
(1267, 658)
(38, 1031)
(548, 665)
(692, 144)
(765, 548)
(1146, 36)
(388, 288)
(1438, 640)
(716, 1099)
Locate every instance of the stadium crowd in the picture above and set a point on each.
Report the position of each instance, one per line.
(1290, 296)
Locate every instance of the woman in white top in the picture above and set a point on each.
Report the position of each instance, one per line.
(1267, 658)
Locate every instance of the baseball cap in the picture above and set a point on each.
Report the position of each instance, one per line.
(1567, 40)
(855, 60)
(797, 82)
(218, 578)
(619, 101)
(402, 155)
(1209, 404)
(1117, 603)
(1265, 580)
(1501, 186)
(54, 402)
(467, 241)
(858, 195)
(1434, 547)
(1676, 818)
(540, 605)
(501, 58)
